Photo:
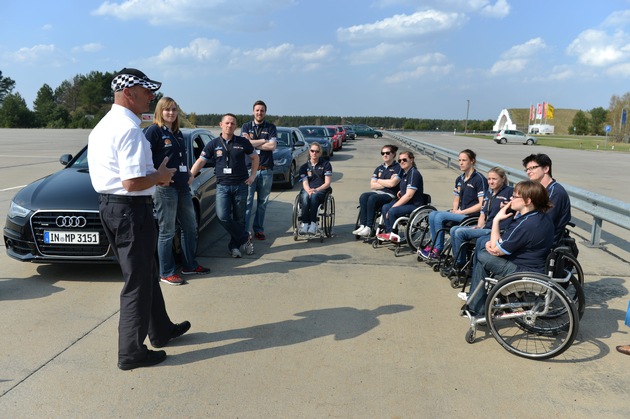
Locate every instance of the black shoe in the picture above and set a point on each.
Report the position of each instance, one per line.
(152, 358)
(178, 330)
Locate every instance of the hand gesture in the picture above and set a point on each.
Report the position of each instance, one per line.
(165, 174)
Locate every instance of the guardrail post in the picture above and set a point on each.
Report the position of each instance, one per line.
(596, 234)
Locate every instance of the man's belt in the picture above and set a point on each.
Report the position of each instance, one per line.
(126, 199)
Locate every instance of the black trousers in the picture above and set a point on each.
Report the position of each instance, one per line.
(131, 231)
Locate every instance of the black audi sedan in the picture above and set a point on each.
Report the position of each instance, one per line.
(55, 219)
(290, 154)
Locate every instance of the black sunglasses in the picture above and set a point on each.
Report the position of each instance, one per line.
(315, 151)
(385, 153)
(403, 160)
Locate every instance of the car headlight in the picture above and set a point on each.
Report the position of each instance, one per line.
(16, 210)
(280, 162)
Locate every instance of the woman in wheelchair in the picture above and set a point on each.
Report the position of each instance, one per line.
(410, 196)
(523, 246)
(316, 175)
(384, 185)
(469, 191)
(496, 196)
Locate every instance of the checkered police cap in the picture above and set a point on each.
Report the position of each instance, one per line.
(129, 77)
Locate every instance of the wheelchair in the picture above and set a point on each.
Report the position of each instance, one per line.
(325, 218)
(446, 259)
(407, 227)
(529, 314)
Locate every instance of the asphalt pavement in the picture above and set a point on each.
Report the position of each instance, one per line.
(300, 329)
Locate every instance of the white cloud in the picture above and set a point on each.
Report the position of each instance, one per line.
(379, 53)
(422, 65)
(214, 13)
(622, 70)
(91, 47)
(33, 54)
(47, 27)
(517, 58)
(498, 10)
(597, 48)
(199, 50)
(617, 19)
(269, 54)
(400, 27)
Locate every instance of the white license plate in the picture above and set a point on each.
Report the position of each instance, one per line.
(70, 237)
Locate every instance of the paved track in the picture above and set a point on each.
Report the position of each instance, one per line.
(298, 330)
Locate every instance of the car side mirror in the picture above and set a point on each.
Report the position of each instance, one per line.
(299, 144)
(65, 159)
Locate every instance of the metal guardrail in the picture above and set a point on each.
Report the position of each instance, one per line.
(600, 207)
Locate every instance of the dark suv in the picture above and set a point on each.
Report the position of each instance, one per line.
(363, 130)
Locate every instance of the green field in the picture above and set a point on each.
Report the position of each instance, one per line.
(576, 142)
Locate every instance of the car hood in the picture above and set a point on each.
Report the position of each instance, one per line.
(316, 139)
(282, 153)
(66, 189)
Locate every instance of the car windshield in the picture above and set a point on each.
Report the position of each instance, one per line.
(314, 132)
(283, 138)
(81, 161)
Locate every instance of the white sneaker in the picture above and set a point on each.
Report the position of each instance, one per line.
(248, 247)
(312, 229)
(463, 295)
(235, 253)
(357, 232)
(365, 231)
(304, 229)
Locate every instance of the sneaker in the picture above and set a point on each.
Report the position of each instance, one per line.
(463, 296)
(312, 229)
(365, 231)
(304, 229)
(357, 232)
(235, 253)
(198, 270)
(429, 254)
(259, 235)
(394, 238)
(248, 247)
(172, 280)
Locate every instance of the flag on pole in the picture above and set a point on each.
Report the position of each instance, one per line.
(550, 110)
(544, 110)
(531, 112)
(623, 117)
(539, 110)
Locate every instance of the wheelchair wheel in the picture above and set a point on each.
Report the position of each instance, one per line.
(328, 217)
(417, 233)
(516, 312)
(296, 217)
(570, 267)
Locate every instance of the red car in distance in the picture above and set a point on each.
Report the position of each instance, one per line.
(337, 139)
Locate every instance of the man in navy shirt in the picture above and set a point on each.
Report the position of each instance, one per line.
(262, 135)
(523, 246)
(233, 179)
(538, 168)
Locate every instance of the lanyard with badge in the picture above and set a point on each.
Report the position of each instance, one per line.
(182, 163)
(227, 170)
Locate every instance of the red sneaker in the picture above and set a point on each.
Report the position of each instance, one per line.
(259, 235)
(173, 280)
(198, 270)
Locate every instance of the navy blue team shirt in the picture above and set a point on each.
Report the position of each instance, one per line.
(229, 154)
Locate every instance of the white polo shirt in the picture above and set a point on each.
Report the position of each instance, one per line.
(117, 151)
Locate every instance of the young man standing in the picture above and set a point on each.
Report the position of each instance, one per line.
(233, 180)
(262, 135)
(538, 169)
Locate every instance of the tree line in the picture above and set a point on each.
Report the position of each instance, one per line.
(80, 102)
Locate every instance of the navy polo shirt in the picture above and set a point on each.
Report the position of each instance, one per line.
(527, 241)
(316, 174)
(560, 213)
(413, 180)
(492, 204)
(229, 155)
(264, 131)
(388, 172)
(470, 190)
(165, 143)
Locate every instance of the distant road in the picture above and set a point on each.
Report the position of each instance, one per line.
(603, 172)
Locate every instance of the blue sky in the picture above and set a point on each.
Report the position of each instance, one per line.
(418, 59)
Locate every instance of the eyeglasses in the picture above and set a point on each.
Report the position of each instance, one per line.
(403, 160)
(531, 168)
(314, 151)
(385, 153)
(516, 196)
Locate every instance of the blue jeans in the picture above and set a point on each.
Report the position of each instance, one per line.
(392, 213)
(231, 207)
(262, 188)
(171, 205)
(310, 204)
(461, 234)
(370, 203)
(484, 264)
(437, 219)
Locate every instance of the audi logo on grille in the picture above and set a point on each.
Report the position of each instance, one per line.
(71, 221)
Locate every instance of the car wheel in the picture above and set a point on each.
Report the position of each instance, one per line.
(530, 142)
(291, 183)
(375, 136)
(503, 141)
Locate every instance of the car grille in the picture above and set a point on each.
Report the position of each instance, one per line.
(46, 220)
